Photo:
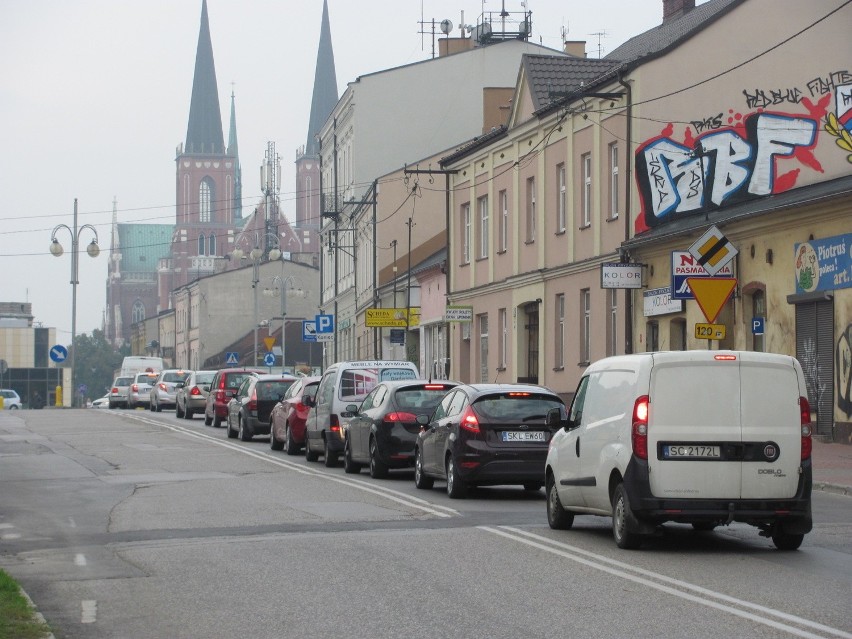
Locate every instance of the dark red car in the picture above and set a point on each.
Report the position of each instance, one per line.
(223, 387)
(289, 415)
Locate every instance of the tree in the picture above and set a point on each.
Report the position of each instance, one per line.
(95, 363)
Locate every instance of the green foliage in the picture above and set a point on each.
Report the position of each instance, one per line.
(17, 620)
(96, 361)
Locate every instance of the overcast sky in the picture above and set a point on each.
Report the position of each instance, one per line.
(94, 99)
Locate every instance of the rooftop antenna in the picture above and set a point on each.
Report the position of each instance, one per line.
(600, 34)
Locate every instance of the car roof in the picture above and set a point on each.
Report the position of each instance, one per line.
(272, 378)
(485, 389)
(402, 383)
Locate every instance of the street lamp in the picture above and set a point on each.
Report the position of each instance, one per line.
(93, 250)
(256, 254)
(283, 287)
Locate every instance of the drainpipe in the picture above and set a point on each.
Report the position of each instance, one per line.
(628, 179)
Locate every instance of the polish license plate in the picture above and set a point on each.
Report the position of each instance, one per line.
(690, 451)
(522, 436)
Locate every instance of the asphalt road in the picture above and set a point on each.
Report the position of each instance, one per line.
(139, 525)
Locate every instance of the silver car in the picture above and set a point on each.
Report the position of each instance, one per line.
(11, 399)
(119, 392)
(140, 390)
(163, 389)
(191, 396)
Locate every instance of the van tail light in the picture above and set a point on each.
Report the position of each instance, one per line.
(135, 388)
(334, 424)
(398, 417)
(252, 405)
(195, 392)
(807, 441)
(640, 427)
(469, 421)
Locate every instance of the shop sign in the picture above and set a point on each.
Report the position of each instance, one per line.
(659, 301)
(824, 265)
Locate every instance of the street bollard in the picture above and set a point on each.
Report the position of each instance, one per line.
(58, 401)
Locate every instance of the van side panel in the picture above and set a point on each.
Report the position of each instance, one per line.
(694, 401)
(771, 418)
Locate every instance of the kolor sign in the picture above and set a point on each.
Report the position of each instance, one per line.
(621, 275)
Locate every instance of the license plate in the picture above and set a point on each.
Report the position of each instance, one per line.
(690, 451)
(522, 436)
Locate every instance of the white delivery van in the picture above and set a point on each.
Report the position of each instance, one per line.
(342, 384)
(699, 437)
(133, 364)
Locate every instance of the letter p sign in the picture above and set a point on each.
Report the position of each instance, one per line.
(757, 325)
(325, 323)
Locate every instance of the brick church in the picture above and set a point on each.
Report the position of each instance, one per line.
(148, 261)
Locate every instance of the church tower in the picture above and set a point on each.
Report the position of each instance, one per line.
(307, 158)
(208, 188)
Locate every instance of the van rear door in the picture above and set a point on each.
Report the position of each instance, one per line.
(694, 421)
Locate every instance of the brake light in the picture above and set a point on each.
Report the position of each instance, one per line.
(252, 405)
(400, 417)
(518, 394)
(434, 387)
(334, 424)
(807, 441)
(469, 421)
(114, 389)
(639, 433)
(163, 387)
(195, 391)
(220, 396)
(135, 388)
(725, 358)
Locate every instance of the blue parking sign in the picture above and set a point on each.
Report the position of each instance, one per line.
(758, 324)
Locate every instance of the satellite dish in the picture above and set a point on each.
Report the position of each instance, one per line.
(446, 26)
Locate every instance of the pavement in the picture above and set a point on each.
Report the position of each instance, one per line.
(832, 464)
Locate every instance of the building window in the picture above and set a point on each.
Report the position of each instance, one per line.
(560, 198)
(211, 245)
(559, 362)
(201, 244)
(652, 336)
(530, 222)
(586, 164)
(483, 347)
(612, 324)
(678, 334)
(205, 200)
(613, 181)
(758, 309)
(504, 337)
(465, 234)
(586, 325)
(137, 313)
(504, 221)
(483, 226)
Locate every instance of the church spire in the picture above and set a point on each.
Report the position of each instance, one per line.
(325, 85)
(204, 132)
(234, 151)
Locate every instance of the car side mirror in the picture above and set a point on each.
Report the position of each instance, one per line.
(554, 420)
(310, 402)
(423, 420)
(352, 409)
(179, 385)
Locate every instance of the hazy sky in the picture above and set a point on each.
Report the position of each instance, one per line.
(94, 99)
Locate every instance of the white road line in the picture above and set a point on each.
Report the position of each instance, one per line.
(397, 496)
(89, 611)
(10, 536)
(72, 523)
(80, 559)
(677, 588)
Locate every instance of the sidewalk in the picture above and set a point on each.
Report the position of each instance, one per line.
(832, 467)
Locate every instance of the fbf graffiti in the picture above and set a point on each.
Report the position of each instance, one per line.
(843, 364)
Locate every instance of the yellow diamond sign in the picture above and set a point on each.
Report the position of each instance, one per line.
(711, 293)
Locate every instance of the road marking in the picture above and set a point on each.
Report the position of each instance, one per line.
(80, 559)
(675, 587)
(90, 611)
(6, 526)
(72, 523)
(10, 536)
(388, 493)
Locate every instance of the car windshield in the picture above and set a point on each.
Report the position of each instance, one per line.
(420, 400)
(516, 407)
(204, 378)
(124, 381)
(175, 377)
(272, 389)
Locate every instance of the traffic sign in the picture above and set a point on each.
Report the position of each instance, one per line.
(325, 323)
(309, 331)
(710, 331)
(758, 325)
(269, 359)
(713, 250)
(232, 358)
(270, 342)
(58, 353)
(711, 293)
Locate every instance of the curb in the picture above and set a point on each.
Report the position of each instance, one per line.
(36, 613)
(837, 489)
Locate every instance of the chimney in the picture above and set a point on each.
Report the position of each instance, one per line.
(576, 48)
(673, 9)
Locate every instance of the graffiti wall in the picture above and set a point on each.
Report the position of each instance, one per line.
(843, 368)
(734, 156)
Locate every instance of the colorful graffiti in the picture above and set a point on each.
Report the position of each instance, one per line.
(843, 366)
(723, 159)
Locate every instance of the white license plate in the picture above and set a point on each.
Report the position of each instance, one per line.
(522, 436)
(691, 451)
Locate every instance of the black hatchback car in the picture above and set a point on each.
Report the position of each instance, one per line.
(381, 431)
(250, 409)
(487, 435)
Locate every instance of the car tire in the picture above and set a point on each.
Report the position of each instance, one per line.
(456, 488)
(532, 486)
(291, 445)
(704, 526)
(243, 431)
(310, 455)
(232, 434)
(350, 467)
(557, 517)
(187, 413)
(378, 469)
(207, 420)
(329, 458)
(159, 408)
(178, 411)
(420, 479)
(622, 517)
(217, 421)
(274, 442)
(787, 541)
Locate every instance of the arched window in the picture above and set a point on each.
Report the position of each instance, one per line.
(211, 245)
(138, 312)
(205, 200)
(201, 244)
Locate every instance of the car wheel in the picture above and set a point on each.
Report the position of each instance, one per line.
(378, 469)
(178, 411)
(532, 486)
(274, 442)
(292, 446)
(207, 420)
(217, 421)
(187, 413)
(310, 455)
(330, 458)
(232, 434)
(787, 541)
(349, 466)
(420, 479)
(704, 526)
(159, 408)
(244, 432)
(622, 517)
(557, 516)
(456, 488)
